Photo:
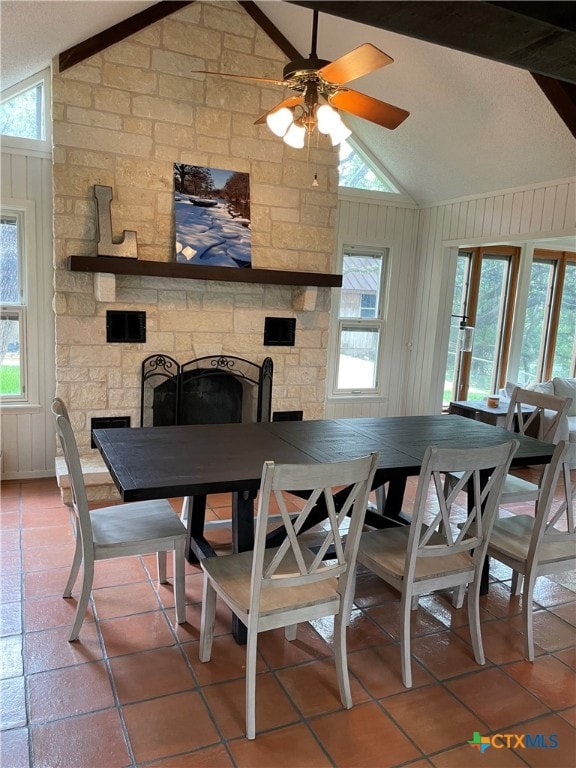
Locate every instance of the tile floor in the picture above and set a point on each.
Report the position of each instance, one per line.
(132, 692)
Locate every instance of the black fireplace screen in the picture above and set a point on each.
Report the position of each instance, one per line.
(209, 390)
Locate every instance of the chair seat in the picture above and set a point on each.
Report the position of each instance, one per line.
(232, 575)
(512, 536)
(517, 489)
(129, 524)
(385, 551)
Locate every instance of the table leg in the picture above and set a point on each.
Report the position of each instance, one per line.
(242, 541)
(197, 548)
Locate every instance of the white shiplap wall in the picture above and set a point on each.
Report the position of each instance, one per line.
(27, 433)
(518, 216)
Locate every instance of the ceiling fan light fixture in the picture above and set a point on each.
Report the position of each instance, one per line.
(279, 122)
(295, 136)
(328, 118)
(339, 133)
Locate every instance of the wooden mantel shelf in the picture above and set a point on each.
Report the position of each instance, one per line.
(123, 266)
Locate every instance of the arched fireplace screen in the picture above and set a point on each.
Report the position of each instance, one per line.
(216, 389)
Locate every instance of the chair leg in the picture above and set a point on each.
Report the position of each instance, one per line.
(251, 647)
(341, 659)
(350, 592)
(528, 614)
(185, 509)
(87, 581)
(179, 593)
(405, 606)
(458, 596)
(161, 562)
(474, 619)
(516, 585)
(291, 631)
(207, 620)
(76, 561)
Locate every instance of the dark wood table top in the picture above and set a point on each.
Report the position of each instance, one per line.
(160, 462)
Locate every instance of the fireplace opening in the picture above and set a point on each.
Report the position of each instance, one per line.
(209, 390)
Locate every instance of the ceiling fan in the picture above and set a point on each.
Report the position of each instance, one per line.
(321, 89)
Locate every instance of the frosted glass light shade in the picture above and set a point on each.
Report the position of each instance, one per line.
(294, 136)
(339, 132)
(279, 121)
(327, 118)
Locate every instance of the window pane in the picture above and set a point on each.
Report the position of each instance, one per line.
(565, 352)
(488, 324)
(536, 322)
(10, 368)
(360, 292)
(356, 173)
(22, 115)
(358, 357)
(458, 311)
(9, 272)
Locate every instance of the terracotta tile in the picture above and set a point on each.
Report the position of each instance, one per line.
(10, 587)
(380, 672)
(10, 518)
(314, 687)
(70, 743)
(119, 570)
(210, 757)
(444, 654)
(11, 561)
(471, 757)
(51, 612)
(550, 632)
(567, 657)
(566, 578)
(69, 691)
(50, 648)
(43, 486)
(40, 517)
(14, 748)
(228, 661)
(219, 500)
(547, 678)
(45, 558)
(11, 656)
(548, 593)
(362, 632)
(10, 619)
(53, 536)
(279, 652)
(502, 642)
(357, 737)
(283, 748)
(569, 715)
(566, 611)
(125, 600)
(10, 489)
(227, 703)
(168, 726)
(417, 713)
(500, 602)
(495, 698)
(562, 755)
(372, 590)
(147, 675)
(388, 617)
(440, 606)
(140, 632)
(9, 540)
(45, 583)
(191, 630)
(13, 710)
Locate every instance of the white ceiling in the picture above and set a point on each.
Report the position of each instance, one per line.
(476, 126)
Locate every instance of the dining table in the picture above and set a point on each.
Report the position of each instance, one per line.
(197, 460)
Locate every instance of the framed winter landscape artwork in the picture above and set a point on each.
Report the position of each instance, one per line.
(212, 217)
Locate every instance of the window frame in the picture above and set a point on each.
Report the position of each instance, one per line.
(31, 146)
(369, 323)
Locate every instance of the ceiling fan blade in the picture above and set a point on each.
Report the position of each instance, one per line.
(361, 61)
(291, 101)
(241, 77)
(368, 108)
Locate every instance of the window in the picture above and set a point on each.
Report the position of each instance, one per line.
(360, 320)
(484, 297)
(358, 171)
(12, 308)
(549, 338)
(24, 120)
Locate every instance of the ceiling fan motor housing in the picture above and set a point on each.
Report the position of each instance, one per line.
(301, 68)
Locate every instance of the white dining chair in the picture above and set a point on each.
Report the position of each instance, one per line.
(137, 528)
(434, 552)
(536, 545)
(290, 584)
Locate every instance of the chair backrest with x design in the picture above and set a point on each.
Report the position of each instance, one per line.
(555, 522)
(546, 418)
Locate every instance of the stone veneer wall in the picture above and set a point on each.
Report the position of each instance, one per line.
(123, 118)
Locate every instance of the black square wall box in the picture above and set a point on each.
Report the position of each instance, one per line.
(279, 331)
(107, 422)
(125, 327)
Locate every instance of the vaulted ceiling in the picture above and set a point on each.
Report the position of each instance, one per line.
(479, 120)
